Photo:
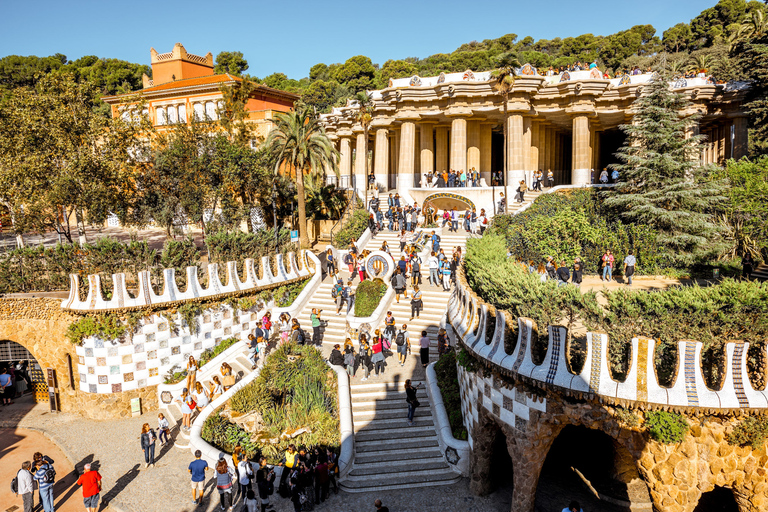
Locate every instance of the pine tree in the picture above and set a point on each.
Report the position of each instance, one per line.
(662, 183)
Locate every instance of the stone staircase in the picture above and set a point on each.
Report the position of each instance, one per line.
(530, 197)
(760, 273)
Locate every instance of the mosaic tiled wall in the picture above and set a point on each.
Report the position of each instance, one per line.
(157, 346)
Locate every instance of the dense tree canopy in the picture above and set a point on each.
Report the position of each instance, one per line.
(230, 62)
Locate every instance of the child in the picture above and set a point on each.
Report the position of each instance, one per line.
(163, 428)
(251, 505)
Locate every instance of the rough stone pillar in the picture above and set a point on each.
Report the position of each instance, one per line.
(406, 163)
(550, 147)
(441, 153)
(558, 156)
(360, 158)
(427, 152)
(345, 156)
(740, 137)
(533, 156)
(486, 138)
(582, 154)
(728, 141)
(721, 155)
(527, 139)
(515, 154)
(381, 157)
(473, 145)
(459, 144)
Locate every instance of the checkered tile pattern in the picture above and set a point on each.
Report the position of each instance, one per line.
(154, 349)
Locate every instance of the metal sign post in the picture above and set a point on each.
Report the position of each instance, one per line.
(52, 389)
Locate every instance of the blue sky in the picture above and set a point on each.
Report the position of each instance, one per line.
(292, 36)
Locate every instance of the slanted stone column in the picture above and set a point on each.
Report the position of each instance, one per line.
(459, 144)
(345, 156)
(515, 155)
(427, 151)
(406, 163)
(486, 138)
(473, 145)
(441, 153)
(361, 155)
(381, 157)
(581, 151)
(740, 137)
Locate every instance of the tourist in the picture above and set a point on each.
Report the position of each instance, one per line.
(629, 267)
(435, 241)
(366, 353)
(7, 389)
(377, 347)
(410, 399)
(542, 271)
(615, 176)
(249, 503)
(502, 204)
(227, 377)
(408, 220)
(371, 181)
(289, 462)
(337, 294)
(361, 265)
(372, 225)
(379, 218)
(200, 396)
(330, 263)
(148, 439)
(467, 220)
(224, 478)
(385, 248)
(265, 478)
(578, 272)
(216, 389)
(353, 247)
(550, 268)
(521, 189)
(45, 476)
(424, 349)
(399, 284)
(187, 406)
(403, 265)
(747, 265)
(442, 342)
(472, 221)
(389, 326)
(433, 264)
(482, 221)
(537, 177)
(380, 507)
(244, 475)
(573, 507)
(285, 327)
(266, 324)
(336, 358)
(349, 358)
(253, 349)
(163, 428)
(26, 486)
(415, 269)
(445, 270)
(550, 178)
(91, 482)
(192, 368)
(454, 220)
(333, 468)
(607, 260)
(604, 176)
(322, 477)
(403, 344)
(563, 274)
(348, 294)
(316, 324)
(416, 302)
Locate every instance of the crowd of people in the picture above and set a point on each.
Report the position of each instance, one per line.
(40, 473)
(550, 269)
(14, 381)
(451, 178)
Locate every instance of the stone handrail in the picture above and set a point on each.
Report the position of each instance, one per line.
(459, 460)
(146, 296)
(472, 320)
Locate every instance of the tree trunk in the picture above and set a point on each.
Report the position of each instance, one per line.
(80, 227)
(303, 236)
(19, 236)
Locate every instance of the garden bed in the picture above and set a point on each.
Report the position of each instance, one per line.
(448, 382)
(368, 296)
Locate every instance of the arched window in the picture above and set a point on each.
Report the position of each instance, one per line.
(173, 117)
(199, 110)
(210, 111)
(160, 115)
(182, 113)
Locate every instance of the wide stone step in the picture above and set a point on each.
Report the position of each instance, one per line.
(394, 445)
(398, 467)
(352, 488)
(404, 432)
(412, 454)
(386, 425)
(391, 394)
(375, 413)
(384, 406)
(404, 480)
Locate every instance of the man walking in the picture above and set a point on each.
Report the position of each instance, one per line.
(91, 482)
(26, 486)
(563, 274)
(197, 469)
(454, 220)
(45, 476)
(433, 266)
(629, 267)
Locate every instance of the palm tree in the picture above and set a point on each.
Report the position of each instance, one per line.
(298, 142)
(364, 116)
(505, 80)
(700, 62)
(755, 25)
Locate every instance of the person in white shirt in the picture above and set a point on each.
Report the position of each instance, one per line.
(433, 264)
(245, 475)
(26, 485)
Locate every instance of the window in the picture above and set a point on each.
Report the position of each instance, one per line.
(210, 111)
(160, 113)
(199, 110)
(182, 113)
(173, 117)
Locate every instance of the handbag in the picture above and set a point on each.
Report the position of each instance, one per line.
(192, 404)
(228, 380)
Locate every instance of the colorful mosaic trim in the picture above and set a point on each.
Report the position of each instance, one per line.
(690, 374)
(448, 195)
(738, 383)
(524, 332)
(642, 370)
(594, 375)
(554, 361)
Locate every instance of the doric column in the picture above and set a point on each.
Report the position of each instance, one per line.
(405, 166)
(486, 138)
(740, 137)
(427, 152)
(557, 167)
(527, 137)
(596, 164)
(345, 150)
(533, 155)
(722, 132)
(473, 145)
(581, 151)
(360, 157)
(459, 144)
(381, 156)
(441, 153)
(551, 149)
(515, 155)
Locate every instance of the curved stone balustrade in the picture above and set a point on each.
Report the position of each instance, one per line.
(146, 296)
(484, 337)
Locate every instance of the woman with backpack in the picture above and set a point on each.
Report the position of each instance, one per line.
(224, 480)
(330, 263)
(416, 303)
(482, 221)
(403, 344)
(365, 355)
(349, 358)
(148, 439)
(411, 400)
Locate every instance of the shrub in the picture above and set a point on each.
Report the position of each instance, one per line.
(626, 417)
(356, 225)
(106, 327)
(751, 431)
(666, 427)
(218, 431)
(237, 246)
(467, 361)
(448, 382)
(368, 295)
(211, 353)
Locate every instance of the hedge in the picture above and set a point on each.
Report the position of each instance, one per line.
(448, 382)
(368, 295)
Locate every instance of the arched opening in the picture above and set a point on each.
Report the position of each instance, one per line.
(25, 366)
(492, 469)
(590, 467)
(610, 142)
(448, 200)
(719, 499)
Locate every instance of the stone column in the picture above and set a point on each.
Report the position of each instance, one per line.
(552, 151)
(581, 159)
(740, 137)
(473, 145)
(597, 165)
(558, 155)
(360, 158)
(527, 139)
(515, 155)
(722, 134)
(459, 144)
(533, 156)
(345, 156)
(427, 154)
(542, 149)
(441, 152)
(381, 157)
(406, 163)
(486, 138)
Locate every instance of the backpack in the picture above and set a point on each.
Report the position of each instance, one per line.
(50, 475)
(300, 335)
(400, 339)
(349, 358)
(15, 484)
(437, 237)
(336, 290)
(485, 220)
(345, 292)
(348, 259)
(415, 266)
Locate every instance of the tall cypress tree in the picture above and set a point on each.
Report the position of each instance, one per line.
(661, 182)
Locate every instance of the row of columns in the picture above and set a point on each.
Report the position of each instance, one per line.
(725, 140)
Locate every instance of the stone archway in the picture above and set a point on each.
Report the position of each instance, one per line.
(491, 464)
(719, 499)
(448, 200)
